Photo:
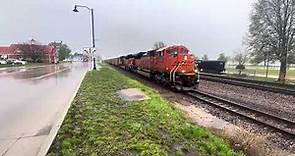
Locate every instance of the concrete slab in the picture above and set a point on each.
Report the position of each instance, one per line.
(132, 94)
(26, 146)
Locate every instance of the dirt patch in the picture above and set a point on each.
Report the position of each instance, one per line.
(241, 139)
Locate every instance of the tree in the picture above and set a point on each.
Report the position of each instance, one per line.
(222, 57)
(256, 58)
(205, 57)
(271, 31)
(64, 52)
(241, 57)
(159, 44)
(26, 50)
(32, 52)
(291, 59)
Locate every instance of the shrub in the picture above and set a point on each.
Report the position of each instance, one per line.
(240, 67)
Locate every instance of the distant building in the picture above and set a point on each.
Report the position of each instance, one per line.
(27, 51)
(79, 58)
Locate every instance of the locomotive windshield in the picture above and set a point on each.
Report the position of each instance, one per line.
(175, 52)
(183, 51)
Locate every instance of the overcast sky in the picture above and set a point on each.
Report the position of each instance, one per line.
(127, 26)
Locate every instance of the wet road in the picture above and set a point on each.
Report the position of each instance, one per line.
(31, 100)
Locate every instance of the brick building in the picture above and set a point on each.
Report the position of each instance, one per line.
(27, 51)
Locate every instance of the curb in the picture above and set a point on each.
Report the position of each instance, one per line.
(56, 126)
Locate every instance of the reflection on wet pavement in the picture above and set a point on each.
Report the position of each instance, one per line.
(25, 73)
(31, 98)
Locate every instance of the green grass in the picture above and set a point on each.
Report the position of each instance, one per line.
(260, 70)
(250, 70)
(18, 65)
(259, 78)
(100, 123)
(9, 65)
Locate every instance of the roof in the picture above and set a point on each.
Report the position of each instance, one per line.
(13, 48)
(170, 46)
(4, 50)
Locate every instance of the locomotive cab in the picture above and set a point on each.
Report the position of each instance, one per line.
(186, 72)
(181, 66)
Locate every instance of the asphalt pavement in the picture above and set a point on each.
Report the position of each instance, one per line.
(32, 101)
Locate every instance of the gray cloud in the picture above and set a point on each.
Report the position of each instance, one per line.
(125, 26)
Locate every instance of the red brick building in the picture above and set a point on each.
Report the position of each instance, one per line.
(47, 53)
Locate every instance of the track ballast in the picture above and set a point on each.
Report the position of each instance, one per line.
(276, 123)
(255, 84)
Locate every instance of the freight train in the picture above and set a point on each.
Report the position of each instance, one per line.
(211, 66)
(171, 65)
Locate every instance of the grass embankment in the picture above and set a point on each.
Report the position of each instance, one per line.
(100, 123)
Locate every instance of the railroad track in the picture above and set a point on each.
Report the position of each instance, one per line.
(277, 123)
(261, 85)
(274, 122)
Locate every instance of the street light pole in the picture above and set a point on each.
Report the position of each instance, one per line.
(93, 38)
(92, 29)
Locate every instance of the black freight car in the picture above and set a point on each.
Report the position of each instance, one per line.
(211, 66)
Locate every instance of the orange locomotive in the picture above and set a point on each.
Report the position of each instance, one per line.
(171, 65)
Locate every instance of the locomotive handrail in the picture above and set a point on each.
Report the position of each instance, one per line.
(171, 71)
(175, 72)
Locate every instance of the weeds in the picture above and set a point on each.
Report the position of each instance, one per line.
(250, 143)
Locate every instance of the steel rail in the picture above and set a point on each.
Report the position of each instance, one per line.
(265, 86)
(277, 123)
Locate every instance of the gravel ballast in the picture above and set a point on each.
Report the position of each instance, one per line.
(274, 103)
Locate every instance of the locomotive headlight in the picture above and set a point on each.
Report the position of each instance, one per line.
(196, 70)
(185, 57)
(183, 71)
